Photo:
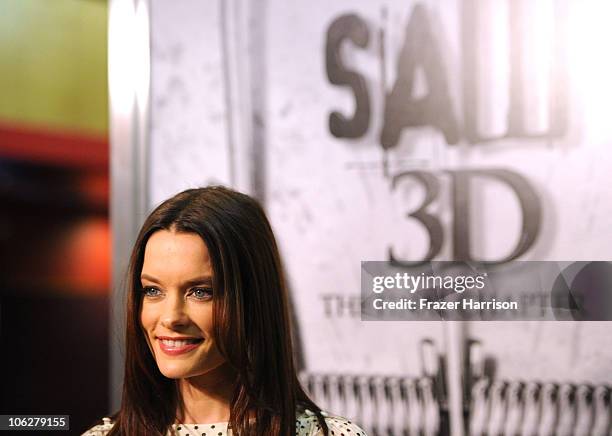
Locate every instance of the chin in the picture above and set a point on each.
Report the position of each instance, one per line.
(175, 370)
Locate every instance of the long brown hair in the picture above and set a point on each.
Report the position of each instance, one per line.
(250, 315)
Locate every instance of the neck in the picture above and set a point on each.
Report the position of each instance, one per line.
(206, 398)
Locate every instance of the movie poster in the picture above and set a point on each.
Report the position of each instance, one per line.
(403, 132)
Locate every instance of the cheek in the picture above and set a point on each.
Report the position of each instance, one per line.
(147, 317)
(147, 324)
(202, 317)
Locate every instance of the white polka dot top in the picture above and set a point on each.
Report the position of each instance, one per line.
(306, 425)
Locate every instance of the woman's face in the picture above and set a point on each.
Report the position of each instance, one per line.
(177, 304)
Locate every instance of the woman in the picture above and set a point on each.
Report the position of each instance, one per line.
(208, 339)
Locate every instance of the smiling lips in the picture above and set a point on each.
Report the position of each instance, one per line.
(179, 345)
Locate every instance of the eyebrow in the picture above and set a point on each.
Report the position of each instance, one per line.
(203, 280)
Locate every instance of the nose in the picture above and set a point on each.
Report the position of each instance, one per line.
(174, 315)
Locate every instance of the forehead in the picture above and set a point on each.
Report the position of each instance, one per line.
(170, 253)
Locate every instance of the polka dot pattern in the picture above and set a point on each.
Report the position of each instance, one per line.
(306, 425)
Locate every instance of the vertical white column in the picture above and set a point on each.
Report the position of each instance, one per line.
(237, 50)
(129, 79)
(454, 336)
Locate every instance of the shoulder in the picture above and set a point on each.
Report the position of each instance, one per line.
(100, 429)
(308, 425)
